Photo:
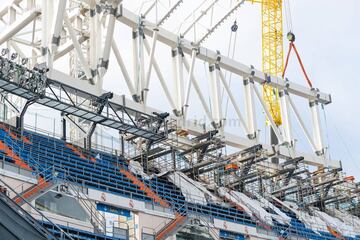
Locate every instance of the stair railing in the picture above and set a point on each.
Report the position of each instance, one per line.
(181, 210)
(98, 222)
(38, 169)
(49, 174)
(63, 235)
(209, 224)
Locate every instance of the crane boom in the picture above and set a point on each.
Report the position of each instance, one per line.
(272, 52)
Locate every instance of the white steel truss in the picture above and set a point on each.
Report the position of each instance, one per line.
(93, 41)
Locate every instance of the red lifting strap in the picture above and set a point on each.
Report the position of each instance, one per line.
(292, 46)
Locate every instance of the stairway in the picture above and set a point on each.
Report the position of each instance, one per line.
(97, 219)
(142, 186)
(35, 191)
(16, 223)
(172, 227)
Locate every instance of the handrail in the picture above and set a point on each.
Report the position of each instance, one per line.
(49, 175)
(94, 213)
(51, 136)
(124, 190)
(33, 208)
(210, 225)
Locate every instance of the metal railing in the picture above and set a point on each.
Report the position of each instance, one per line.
(96, 219)
(33, 162)
(50, 174)
(29, 218)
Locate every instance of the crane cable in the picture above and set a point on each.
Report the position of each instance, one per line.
(288, 16)
(232, 41)
(291, 38)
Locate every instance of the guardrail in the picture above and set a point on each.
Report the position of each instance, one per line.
(28, 217)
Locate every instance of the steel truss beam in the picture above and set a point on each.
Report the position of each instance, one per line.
(249, 74)
(207, 55)
(56, 95)
(229, 138)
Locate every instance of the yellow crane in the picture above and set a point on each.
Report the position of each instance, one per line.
(272, 51)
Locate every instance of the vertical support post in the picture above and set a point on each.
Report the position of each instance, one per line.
(173, 157)
(50, 18)
(93, 39)
(44, 30)
(141, 59)
(29, 4)
(145, 89)
(161, 78)
(174, 53)
(55, 42)
(20, 118)
(215, 95)
(89, 137)
(180, 78)
(104, 61)
(99, 35)
(124, 70)
(135, 46)
(189, 80)
(178, 68)
(122, 145)
(250, 108)
(285, 114)
(317, 133)
(63, 129)
(198, 91)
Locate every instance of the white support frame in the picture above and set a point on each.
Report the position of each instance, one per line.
(215, 99)
(160, 77)
(148, 72)
(268, 115)
(317, 132)
(121, 63)
(77, 47)
(135, 48)
(285, 113)
(58, 26)
(198, 92)
(107, 45)
(20, 23)
(93, 37)
(226, 63)
(179, 79)
(139, 83)
(250, 108)
(188, 83)
(302, 124)
(235, 105)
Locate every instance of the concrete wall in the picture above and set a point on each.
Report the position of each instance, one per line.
(17, 178)
(150, 224)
